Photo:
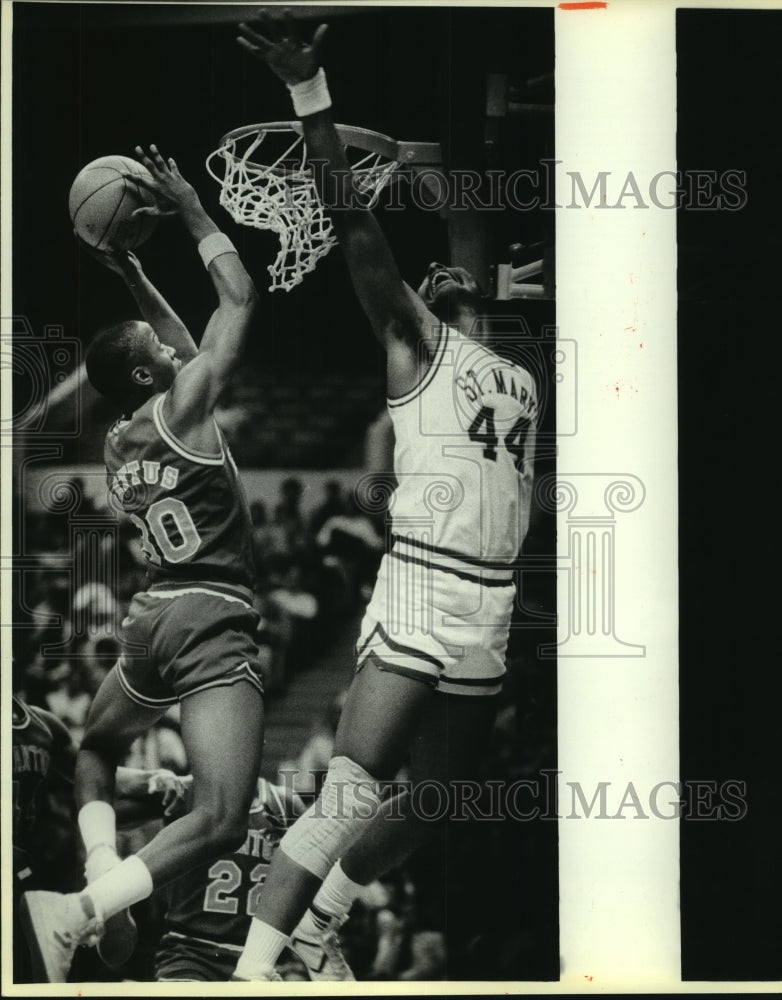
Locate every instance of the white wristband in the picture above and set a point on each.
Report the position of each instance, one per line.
(310, 96)
(213, 245)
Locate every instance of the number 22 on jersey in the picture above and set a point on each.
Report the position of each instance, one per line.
(226, 875)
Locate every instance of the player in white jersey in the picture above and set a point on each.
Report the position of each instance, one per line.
(464, 439)
(430, 656)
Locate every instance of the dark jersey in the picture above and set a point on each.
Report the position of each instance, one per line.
(214, 902)
(41, 746)
(40, 742)
(189, 506)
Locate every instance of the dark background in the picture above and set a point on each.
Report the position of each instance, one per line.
(95, 79)
(729, 94)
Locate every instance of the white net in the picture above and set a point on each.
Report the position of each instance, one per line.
(281, 197)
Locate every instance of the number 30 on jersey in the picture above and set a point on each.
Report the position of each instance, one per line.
(167, 531)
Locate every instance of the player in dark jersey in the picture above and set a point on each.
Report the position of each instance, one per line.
(43, 759)
(210, 908)
(43, 752)
(191, 636)
(431, 654)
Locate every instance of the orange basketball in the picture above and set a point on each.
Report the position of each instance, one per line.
(101, 204)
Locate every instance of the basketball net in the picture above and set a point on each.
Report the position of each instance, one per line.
(280, 196)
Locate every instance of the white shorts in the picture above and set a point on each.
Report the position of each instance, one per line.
(438, 622)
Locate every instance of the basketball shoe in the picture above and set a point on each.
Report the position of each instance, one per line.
(55, 924)
(321, 950)
(119, 940)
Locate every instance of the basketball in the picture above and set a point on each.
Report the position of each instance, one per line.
(101, 204)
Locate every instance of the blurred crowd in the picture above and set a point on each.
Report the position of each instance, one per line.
(483, 905)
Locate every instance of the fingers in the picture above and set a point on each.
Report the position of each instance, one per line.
(254, 50)
(153, 160)
(154, 211)
(109, 256)
(145, 159)
(271, 24)
(140, 180)
(171, 799)
(252, 40)
(280, 34)
(174, 798)
(117, 254)
(171, 789)
(317, 38)
(157, 159)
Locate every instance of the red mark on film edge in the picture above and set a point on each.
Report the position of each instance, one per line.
(592, 5)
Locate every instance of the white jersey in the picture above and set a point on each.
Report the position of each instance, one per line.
(463, 457)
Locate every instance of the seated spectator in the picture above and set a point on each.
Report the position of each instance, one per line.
(95, 611)
(353, 547)
(266, 540)
(47, 649)
(288, 611)
(287, 514)
(334, 503)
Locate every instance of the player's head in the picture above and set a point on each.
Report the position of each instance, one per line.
(447, 290)
(127, 362)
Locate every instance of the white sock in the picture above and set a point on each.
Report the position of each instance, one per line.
(333, 899)
(98, 826)
(100, 860)
(261, 950)
(127, 883)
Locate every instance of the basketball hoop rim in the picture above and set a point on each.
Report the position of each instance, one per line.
(274, 196)
(360, 138)
(364, 139)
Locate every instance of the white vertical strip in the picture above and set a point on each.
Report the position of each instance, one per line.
(618, 682)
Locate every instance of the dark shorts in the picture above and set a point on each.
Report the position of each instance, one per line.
(184, 959)
(182, 638)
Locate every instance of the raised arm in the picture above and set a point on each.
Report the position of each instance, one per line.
(397, 314)
(152, 306)
(197, 387)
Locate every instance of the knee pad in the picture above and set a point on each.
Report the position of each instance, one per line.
(348, 800)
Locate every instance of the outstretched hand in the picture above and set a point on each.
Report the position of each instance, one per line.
(173, 194)
(176, 793)
(280, 47)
